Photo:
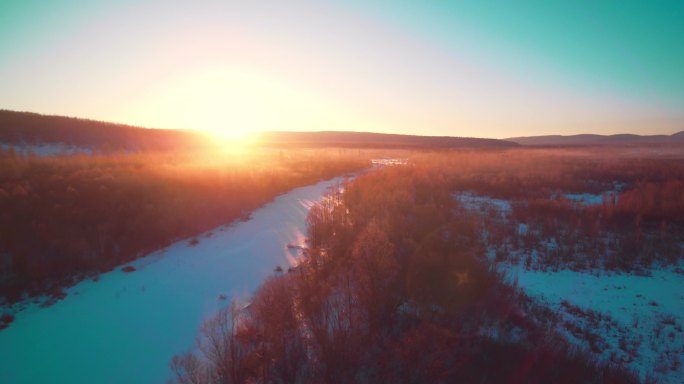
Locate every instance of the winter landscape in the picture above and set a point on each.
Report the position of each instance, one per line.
(341, 192)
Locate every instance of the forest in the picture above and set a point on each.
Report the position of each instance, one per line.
(395, 284)
(66, 218)
(581, 208)
(22, 128)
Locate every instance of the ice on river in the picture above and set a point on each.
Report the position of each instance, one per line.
(126, 327)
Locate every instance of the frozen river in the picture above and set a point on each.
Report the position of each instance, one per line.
(126, 327)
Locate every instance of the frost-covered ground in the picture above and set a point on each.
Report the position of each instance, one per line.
(585, 198)
(126, 327)
(472, 201)
(635, 320)
(597, 198)
(45, 149)
(624, 318)
(388, 161)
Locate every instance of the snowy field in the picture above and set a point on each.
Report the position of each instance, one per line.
(126, 327)
(623, 318)
(46, 149)
(629, 319)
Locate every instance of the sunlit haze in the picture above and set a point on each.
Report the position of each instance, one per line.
(482, 69)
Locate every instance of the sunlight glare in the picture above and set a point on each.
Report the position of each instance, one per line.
(229, 104)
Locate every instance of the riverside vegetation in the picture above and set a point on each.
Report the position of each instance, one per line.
(395, 285)
(65, 218)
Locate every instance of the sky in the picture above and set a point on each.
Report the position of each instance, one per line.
(460, 68)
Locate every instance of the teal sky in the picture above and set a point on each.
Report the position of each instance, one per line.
(631, 46)
(475, 68)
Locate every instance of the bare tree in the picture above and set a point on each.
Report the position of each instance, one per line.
(223, 354)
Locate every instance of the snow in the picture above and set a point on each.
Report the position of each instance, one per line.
(585, 198)
(472, 202)
(608, 196)
(388, 162)
(635, 320)
(645, 313)
(126, 327)
(46, 149)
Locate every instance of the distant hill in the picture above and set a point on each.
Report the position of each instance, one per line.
(31, 129)
(589, 139)
(375, 140)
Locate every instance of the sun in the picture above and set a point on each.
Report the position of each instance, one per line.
(234, 128)
(233, 103)
(230, 105)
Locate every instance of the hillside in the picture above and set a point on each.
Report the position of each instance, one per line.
(591, 139)
(24, 129)
(30, 129)
(374, 140)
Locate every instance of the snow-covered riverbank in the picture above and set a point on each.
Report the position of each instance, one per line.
(126, 327)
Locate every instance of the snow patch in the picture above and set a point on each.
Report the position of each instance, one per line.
(638, 319)
(473, 202)
(388, 161)
(46, 149)
(585, 198)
